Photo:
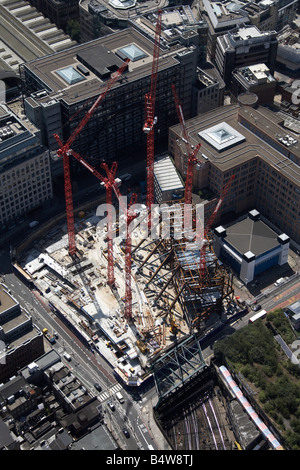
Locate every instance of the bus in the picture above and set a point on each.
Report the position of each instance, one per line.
(258, 315)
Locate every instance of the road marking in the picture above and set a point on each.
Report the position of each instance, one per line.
(110, 392)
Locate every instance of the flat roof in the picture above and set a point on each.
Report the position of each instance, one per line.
(166, 174)
(6, 301)
(113, 45)
(295, 309)
(21, 38)
(252, 147)
(251, 236)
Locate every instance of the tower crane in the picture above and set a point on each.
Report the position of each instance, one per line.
(130, 216)
(150, 119)
(210, 223)
(110, 184)
(192, 160)
(65, 151)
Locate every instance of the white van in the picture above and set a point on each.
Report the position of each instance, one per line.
(120, 397)
(67, 356)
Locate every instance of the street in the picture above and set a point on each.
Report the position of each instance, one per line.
(90, 368)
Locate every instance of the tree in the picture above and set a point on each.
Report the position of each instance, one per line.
(73, 30)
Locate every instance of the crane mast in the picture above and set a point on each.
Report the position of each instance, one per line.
(150, 119)
(111, 185)
(64, 151)
(130, 216)
(191, 153)
(210, 223)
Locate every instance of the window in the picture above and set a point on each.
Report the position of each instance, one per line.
(70, 75)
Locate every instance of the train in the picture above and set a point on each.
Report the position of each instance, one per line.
(274, 443)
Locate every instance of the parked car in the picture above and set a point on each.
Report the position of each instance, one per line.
(126, 433)
(257, 307)
(98, 387)
(279, 281)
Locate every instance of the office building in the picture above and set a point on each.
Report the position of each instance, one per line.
(253, 145)
(262, 14)
(75, 78)
(288, 55)
(20, 340)
(178, 26)
(250, 247)
(209, 89)
(59, 12)
(25, 34)
(100, 17)
(287, 10)
(254, 79)
(221, 17)
(245, 46)
(25, 171)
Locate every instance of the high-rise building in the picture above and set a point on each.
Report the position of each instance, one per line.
(76, 77)
(221, 17)
(254, 146)
(59, 12)
(245, 46)
(21, 342)
(25, 171)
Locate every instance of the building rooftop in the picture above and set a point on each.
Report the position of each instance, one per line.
(225, 14)
(97, 56)
(294, 309)
(251, 236)
(6, 301)
(166, 174)
(252, 145)
(26, 34)
(119, 9)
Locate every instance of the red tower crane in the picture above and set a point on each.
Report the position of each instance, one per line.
(110, 184)
(210, 223)
(150, 119)
(192, 160)
(64, 151)
(130, 216)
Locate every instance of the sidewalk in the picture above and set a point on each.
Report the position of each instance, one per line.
(153, 429)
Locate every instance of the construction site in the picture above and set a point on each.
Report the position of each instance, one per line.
(134, 283)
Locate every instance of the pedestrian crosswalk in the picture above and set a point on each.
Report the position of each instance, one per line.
(109, 393)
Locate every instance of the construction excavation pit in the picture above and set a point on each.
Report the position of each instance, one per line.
(165, 292)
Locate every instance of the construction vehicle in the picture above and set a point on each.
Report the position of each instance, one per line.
(49, 337)
(174, 326)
